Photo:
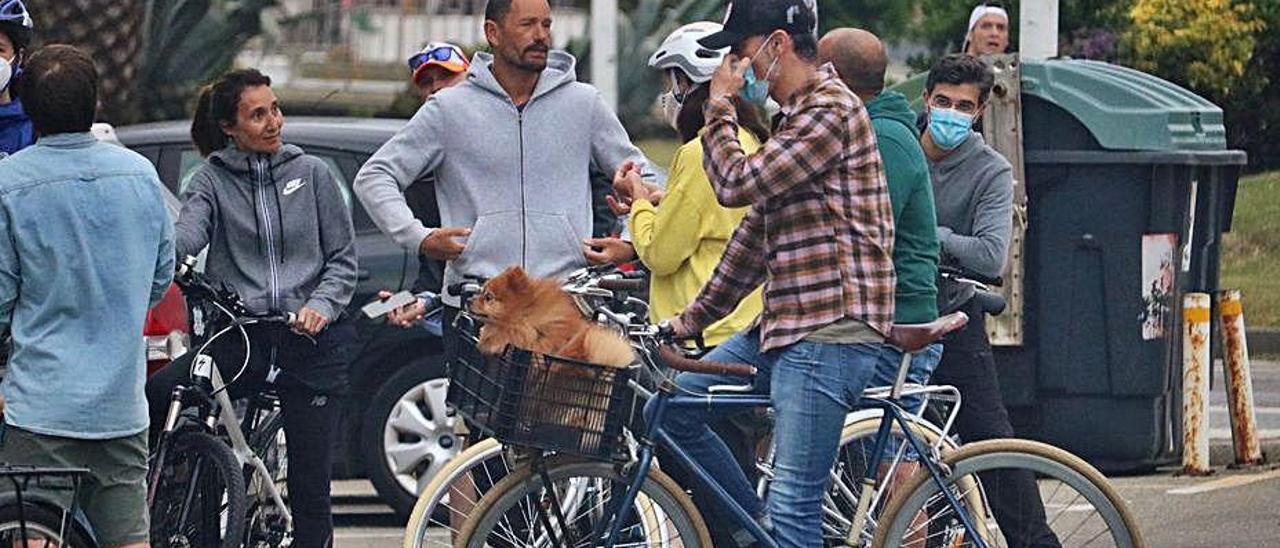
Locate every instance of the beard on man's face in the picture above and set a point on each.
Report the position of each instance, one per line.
(532, 58)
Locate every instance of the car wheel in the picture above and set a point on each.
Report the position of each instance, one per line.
(408, 433)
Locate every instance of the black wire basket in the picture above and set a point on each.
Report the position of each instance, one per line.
(535, 400)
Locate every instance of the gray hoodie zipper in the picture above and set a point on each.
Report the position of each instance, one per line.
(524, 228)
(266, 222)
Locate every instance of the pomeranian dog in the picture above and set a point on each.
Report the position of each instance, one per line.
(536, 315)
(568, 402)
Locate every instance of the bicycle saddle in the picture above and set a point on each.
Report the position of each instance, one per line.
(914, 337)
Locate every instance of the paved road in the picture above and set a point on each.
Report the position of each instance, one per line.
(1266, 401)
(1230, 509)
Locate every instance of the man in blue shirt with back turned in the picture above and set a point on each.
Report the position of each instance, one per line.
(86, 247)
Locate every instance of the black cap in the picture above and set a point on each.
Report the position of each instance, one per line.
(747, 18)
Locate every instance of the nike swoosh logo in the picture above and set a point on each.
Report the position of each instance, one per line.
(293, 186)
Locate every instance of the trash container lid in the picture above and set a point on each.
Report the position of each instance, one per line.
(1126, 109)
(1123, 108)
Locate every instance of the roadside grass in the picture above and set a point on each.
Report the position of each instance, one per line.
(1251, 251)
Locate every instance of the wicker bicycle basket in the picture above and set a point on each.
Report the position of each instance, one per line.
(534, 400)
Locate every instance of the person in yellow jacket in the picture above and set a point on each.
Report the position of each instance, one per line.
(680, 235)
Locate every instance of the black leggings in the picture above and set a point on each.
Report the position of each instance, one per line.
(309, 387)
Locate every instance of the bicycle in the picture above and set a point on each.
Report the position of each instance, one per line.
(248, 471)
(532, 506)
(456, 488)
(38, 519)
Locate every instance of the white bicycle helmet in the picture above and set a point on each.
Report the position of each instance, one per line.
(681, 51)
(16, 22)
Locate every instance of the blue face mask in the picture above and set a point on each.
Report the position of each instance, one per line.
(949, 127)
(756, 91)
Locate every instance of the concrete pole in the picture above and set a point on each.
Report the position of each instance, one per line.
(1195, 384)
(1038, 32)
(604, 49)
(1244, 422)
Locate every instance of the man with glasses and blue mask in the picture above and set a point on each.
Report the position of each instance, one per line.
(973, 195)
(819, 237)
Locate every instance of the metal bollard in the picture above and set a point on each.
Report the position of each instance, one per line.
(1195, 384)
(1244, 424)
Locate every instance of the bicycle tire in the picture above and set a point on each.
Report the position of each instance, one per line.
(671, 501)
(200, 454)
(263, 527)
(1013, 454)
(456, 477)
(43, 523)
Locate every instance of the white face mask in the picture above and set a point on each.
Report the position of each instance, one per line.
(6, 71)
(670, 109)
(672, 103)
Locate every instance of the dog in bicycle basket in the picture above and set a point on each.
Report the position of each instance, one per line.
(536, 315)
(571, 361)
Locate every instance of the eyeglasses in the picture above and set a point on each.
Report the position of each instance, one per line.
(441, 54)
(942, 101)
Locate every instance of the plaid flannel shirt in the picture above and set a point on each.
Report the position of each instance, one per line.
(820, 231)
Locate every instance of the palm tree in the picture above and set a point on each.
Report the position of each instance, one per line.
(152, 55)
(111, 32)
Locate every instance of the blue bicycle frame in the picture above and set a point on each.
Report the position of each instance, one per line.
(667, 399)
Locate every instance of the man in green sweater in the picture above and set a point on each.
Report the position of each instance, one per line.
(860, 59)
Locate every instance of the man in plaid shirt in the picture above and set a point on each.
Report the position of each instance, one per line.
(819, 236)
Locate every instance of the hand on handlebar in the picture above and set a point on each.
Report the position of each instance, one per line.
(310, 322)
(678, 328)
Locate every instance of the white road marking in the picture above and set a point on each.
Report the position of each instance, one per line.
(1226, 483)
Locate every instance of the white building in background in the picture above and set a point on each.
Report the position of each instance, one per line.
(387, 31)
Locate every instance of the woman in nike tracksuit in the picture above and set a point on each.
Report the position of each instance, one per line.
(279, 232)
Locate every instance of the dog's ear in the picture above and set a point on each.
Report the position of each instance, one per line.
(517, 279)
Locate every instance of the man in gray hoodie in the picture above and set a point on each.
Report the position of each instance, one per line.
(973, 188)
(511, 148)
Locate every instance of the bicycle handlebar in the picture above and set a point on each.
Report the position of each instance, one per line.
(194, 283)
(990, 302)
(964, 273)
(675, 360)
(624, 285)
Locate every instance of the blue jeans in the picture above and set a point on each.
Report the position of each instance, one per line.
(812, 387)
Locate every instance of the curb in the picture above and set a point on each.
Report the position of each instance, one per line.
(1263, 341)
(1221, 452)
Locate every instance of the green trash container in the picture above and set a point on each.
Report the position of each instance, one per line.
(1129, 189)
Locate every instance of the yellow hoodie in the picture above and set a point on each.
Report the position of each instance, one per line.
(681, 241)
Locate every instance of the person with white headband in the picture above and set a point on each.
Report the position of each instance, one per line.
(988, 31)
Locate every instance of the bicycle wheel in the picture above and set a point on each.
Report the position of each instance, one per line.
(453, 493)
(1081, 507)
(857, 440)
(265, 525)
(518, 510)
(45, 526)
(200, 495)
